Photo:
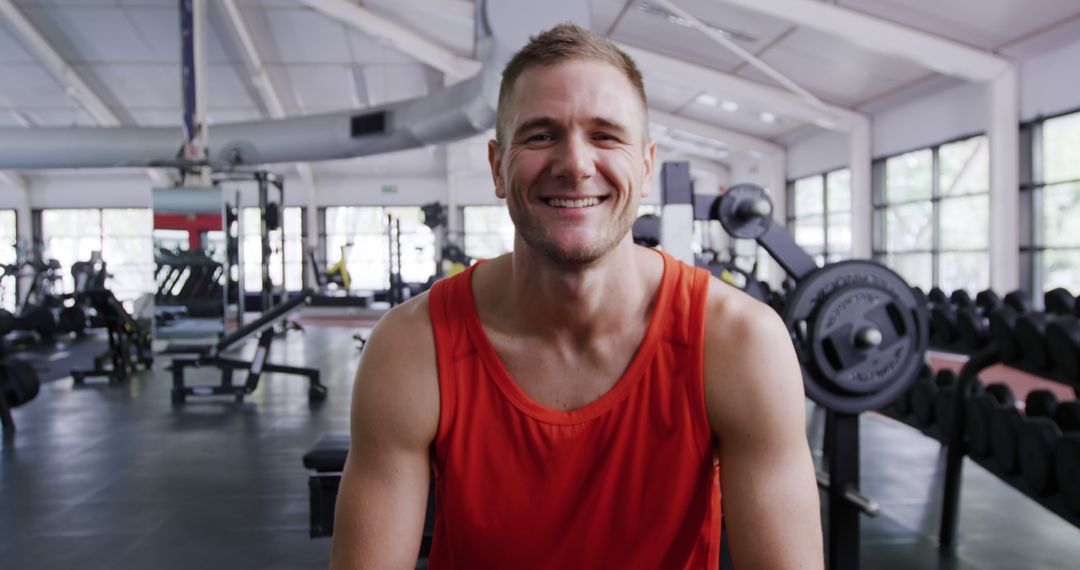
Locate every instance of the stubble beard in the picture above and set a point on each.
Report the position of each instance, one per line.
(536, 236)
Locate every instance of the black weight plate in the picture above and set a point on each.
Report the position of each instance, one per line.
(1002, 324)
(943, 408)
(1040, 404)
(731, 217)
(1059, 301)
(977, 422)
(1001, 393)
(1067, 416)
(1067, 469)
(842, 317)
(987, 300)
(902, 310)
(19, 380)
(1031, 334)
(961, 299)
(972, 330)
(923, 394)
(1063, 340)
(1004, 436)
(1038, 438)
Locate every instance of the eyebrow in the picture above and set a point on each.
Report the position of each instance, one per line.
(551, 123)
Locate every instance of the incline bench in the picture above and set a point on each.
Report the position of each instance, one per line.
(327, 459)
(211, 356)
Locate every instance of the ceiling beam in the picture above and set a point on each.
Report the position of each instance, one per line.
(404, 39)
(888, 38)
(733, 140)
(259, 77)
(778, 101)
(15, 180)
(75, 85)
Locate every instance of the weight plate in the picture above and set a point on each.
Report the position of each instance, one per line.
(1067, 470)
(977, 422)
(733, 209)
(864, 296)
(1038, 438)
(1004, 424)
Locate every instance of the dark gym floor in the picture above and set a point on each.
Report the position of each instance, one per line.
(114, 477)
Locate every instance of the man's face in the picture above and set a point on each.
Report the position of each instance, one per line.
(575, 161)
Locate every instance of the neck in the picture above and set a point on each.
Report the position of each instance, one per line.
(577, 301)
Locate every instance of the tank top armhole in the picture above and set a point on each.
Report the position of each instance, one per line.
(439, 309)
(699, 309)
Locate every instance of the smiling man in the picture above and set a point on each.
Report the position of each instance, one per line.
(581, 401)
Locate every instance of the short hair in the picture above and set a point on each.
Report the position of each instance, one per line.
(565, 42)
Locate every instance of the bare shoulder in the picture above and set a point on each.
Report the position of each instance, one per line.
(396, 388)
(751, 371)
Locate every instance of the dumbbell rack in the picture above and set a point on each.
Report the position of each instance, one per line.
(957, 448)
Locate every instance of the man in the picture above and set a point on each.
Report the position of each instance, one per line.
(581, 401)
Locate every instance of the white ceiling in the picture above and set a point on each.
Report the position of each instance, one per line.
(128, 52)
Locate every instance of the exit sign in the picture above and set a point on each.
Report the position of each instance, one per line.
(389, 189)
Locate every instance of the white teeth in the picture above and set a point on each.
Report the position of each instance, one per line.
(563, 203)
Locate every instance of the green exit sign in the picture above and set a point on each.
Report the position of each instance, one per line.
(389, 189)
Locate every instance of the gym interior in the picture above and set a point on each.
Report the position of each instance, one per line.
(207, 205)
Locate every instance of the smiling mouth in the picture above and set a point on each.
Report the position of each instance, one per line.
(574, 203)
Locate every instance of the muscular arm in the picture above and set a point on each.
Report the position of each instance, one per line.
(382, 500)
(756, 406)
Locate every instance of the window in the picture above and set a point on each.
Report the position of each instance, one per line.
(124, 236)
(819, 215)
(489, 231)
(8, 256)
(363, 231)
(291, 224)
(931, 215)
(1055, 199)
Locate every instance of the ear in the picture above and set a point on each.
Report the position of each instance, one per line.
(650, 161)
(495, 160)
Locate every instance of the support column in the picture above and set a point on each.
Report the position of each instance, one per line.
(862, 197)
(1004, 135)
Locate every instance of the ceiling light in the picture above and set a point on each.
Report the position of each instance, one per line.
(767, 117)
(706, 99)
(729, 106)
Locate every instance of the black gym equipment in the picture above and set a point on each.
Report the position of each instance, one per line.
(211, 356)
(860, 333)
(130, 342)
(19, 384)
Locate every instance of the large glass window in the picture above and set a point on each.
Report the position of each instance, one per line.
(363, 233)
(489, 231)
(932, 215)
(291, 225)
(819, 215)
(124, 236)
(1056, 200)
(8, 255)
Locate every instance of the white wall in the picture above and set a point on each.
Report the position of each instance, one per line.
(1050, 82)
(818, 153)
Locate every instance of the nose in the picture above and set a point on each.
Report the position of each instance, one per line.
(574, 159)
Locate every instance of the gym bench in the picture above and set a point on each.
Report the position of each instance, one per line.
(211, 356)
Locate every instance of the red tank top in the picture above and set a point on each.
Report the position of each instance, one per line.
(627, 481)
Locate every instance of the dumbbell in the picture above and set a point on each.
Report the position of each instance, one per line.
(1002, 324)
(1039, 435)
(943, 333)
(902, 405)
(1063, 341)
(945, 399)
(1031, 329)
(1067, 454)
(923, 394)
(977, 417)
(1005, 432)
(972, 324)
(37, 319)
(937, 296)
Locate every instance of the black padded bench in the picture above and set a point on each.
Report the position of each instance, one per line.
(327, 460)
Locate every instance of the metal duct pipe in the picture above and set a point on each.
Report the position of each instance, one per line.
(452, 113)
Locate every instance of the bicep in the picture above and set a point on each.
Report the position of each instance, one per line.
(383, 494)
(757, 409)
